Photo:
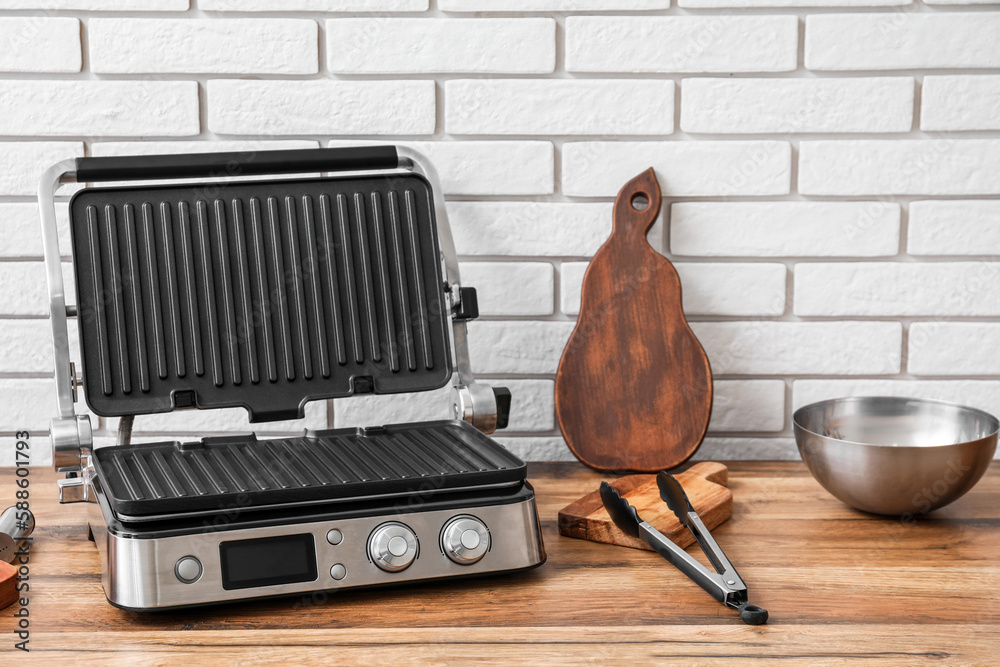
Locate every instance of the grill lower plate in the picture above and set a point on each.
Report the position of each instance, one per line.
(242, 471)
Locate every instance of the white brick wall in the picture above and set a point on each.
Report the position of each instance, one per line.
(906, 40)
(944, 166)
(681, 44)
(549, 107)
(497, 45)
(239, 46)
(960, 103)
(99, 108)
(245, 107)
(950, 227)
(830, 171)
(785, 229)
(734, 106)
(38, 44)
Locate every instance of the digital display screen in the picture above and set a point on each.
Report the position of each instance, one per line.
(268, 561)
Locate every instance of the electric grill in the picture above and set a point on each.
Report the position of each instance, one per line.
(338, 280)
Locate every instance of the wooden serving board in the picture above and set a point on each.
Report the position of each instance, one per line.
(8, 584)
(704, 483)
(634, 387)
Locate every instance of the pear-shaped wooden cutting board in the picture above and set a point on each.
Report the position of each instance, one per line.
(634, 387)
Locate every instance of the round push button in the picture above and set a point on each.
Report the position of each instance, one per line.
(188, 569)
(334, 537)
(338, 571)
(465, 539)
(392, 547)
(397, 546)
(470, 539)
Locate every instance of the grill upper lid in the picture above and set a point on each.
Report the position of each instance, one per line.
(263, 295)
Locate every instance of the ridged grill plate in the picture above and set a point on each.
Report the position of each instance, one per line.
(263, 295)
(242, 471)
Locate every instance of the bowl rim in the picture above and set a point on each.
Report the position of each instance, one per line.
(797, 425)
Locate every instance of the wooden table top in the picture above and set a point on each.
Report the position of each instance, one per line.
(840, 586)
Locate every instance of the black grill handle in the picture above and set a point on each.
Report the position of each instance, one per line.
(247, 163)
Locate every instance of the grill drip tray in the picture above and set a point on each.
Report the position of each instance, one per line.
(147, 482)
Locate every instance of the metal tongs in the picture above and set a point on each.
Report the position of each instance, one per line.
(725, 584)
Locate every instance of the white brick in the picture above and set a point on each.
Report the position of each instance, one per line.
(745, 4)
(321, 107)
(496, 45)
(559, 106)
(23, 163)
(683, 168)
(517, 347)
(960, 103)
(22, 234)
(313, 5)
(800, 348)
(27, 404)
(223, 420)
(529, 228)
(484, 167)
(532, 406)
(707, 289)
(571, 285)
(195, 46)
(571, 276)
(944, 166)
(785, 229)
(984, 395)
(898, 40)
(897, 288)
(551, 5)
(102, 5)
(747, 406)
(681, 44)
(954, 348)
(797, 105)
(747, 449)
(511, 288)
(99, 108)
(967, 227)
(38, 44)
(26, 346)
(537, 449)
(114, 148)
(25, 290)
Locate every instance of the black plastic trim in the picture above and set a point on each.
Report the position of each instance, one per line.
(243, 163)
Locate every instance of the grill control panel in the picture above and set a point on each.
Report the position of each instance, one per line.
(326, 554)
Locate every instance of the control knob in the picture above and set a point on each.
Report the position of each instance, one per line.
(465, 539)
(393, 547)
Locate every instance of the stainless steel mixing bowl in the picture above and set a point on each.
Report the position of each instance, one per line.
(897, 456)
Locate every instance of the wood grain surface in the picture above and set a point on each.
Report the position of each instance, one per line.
(8, 584)
(634, 387)
(841, 587)
(705, 486)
